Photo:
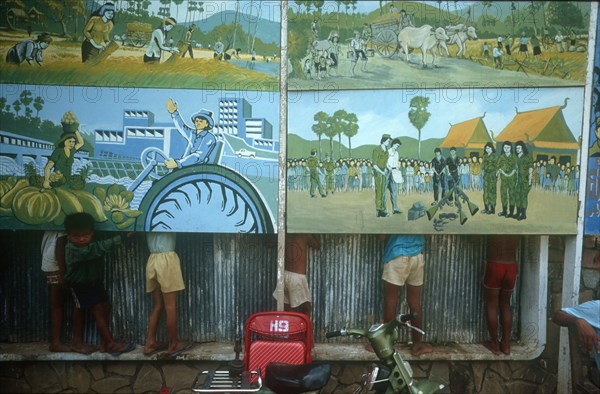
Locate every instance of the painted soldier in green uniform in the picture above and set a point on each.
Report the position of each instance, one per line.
(379, 159)
(490, 178)
(524, 174)
(313, 165)
(507, 172)
(329, 166)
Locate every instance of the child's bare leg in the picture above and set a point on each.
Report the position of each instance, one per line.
(491, 317)
(413, 298)
(151, 343)
(390, 295)
(170, 302)
(78, 344)
(107, 342)
(57, 302)
(506, 318)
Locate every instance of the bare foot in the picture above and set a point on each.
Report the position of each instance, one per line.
(420, 348)
(83, 348)
(117, 346)
(151, 348)
(505, 347)
(177, 347)
(59, 347)
(492, 347)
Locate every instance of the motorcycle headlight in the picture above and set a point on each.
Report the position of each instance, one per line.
(377, 378)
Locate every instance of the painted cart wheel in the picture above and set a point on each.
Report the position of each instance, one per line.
(138, 39)
(387, 43)
(204, 198)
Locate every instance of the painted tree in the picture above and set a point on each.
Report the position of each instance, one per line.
(564, 14)
(351, 130)
(26, 99)
(320, 127)
(17, 106)
(418, 116)
(3, 106)
(256, 24)
(62, 11)
(165, 10)
(177, 4)
(339, 123)
(38, 104)
(331, 133)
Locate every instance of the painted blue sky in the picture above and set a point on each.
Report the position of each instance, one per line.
(271, 9)
(103, 107)
(386, 111)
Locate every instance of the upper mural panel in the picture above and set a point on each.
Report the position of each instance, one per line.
(173, 44)
(406, 44)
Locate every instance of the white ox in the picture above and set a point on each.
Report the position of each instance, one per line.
(425, 38)
(458, 35)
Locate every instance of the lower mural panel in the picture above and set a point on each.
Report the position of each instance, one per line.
(467, 161)
(150, 160)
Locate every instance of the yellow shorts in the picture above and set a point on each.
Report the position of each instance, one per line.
(296, 290)
(404, 269)
(163, 271)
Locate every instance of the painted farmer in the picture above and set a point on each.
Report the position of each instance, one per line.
(438, 164)
(490, 178)
(29, 50)
(379, 159)
(97, 32)
(201, 141)
(313, 165)
(507, 172)
(524, 177)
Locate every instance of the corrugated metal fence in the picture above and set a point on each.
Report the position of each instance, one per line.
(228, 277)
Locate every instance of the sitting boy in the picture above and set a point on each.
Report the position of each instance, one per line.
(85, 273)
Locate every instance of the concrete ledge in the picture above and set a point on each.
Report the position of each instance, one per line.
(218, 351)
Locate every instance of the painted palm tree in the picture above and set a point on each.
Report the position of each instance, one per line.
(418, 115)
(351, 130)
(339, 123)
(320, 127)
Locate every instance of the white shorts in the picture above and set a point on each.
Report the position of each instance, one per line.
(404, 269)
(296, 290)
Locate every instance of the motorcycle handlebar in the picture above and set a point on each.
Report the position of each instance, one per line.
(407, 317)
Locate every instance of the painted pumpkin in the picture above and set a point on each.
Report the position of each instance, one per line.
(32, 205)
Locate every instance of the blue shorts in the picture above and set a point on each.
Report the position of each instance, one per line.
(86, 296)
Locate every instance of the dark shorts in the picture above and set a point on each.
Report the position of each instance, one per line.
(523, 48)
(537, 50)
(86, 296)
(500, 275)
(507, 49)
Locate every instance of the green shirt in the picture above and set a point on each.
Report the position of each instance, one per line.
(380, 158)
(86, 264)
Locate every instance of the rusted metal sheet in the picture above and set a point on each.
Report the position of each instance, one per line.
(228, 277)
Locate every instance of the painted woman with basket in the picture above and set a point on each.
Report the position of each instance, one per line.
(96, 32)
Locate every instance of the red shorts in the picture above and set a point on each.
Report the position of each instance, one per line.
(500, 275)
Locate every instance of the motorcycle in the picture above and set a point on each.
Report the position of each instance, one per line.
(393, 375)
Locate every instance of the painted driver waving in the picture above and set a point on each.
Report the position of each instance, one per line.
(201, 141)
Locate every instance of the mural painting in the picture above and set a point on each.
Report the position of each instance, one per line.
(592, 199)
(205, 45)
(139, 159)
(403, 44)
(433, 160)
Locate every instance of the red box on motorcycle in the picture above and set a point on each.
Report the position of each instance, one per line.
(277, 337)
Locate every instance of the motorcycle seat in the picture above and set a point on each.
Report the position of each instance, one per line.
(296, 378)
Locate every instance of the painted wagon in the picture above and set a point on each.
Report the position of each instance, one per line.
(138, 34)
(384, 36)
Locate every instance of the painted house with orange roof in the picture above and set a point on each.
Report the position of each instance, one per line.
(468, 137)
(545, 132)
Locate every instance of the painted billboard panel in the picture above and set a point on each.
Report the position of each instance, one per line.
(139, 159)
(185, 44)
(403, 44)
(470, 161)
(592, 198)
